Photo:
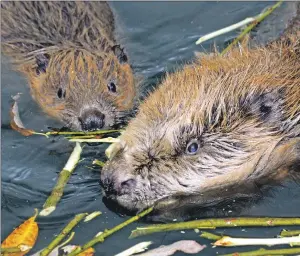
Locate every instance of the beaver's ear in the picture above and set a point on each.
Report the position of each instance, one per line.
(119, 52)
(268, 106)
(42, 61)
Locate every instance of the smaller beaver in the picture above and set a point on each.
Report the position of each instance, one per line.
(221, 128)
(77, 72)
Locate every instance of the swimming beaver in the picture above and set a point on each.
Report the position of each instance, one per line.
(223, 127)
(77, 72)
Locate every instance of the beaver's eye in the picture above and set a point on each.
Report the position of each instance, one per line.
(192, 147)
(60, 93)
(112, 87)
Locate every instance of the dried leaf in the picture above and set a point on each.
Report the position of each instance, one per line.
(186, 246)
(24, 235)
(15, 121)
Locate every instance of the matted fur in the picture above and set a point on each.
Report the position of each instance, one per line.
(243, 109)
(69, 46)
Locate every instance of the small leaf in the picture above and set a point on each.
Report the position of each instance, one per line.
(23, 236)
(15, 121)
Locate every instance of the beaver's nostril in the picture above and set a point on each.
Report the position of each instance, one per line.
(92, 121)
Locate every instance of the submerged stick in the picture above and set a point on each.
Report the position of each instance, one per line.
(225, 30)
(63, 234)
(262, 251)
(100, 238)
(57, 192)
(286, 233)
(232, 241)
(215, 223)
(259, 18)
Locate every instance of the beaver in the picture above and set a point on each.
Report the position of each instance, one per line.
(77, 72)
(225, 127)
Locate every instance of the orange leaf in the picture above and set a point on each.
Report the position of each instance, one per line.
(88, 252)
(15, 121)
(24, 235)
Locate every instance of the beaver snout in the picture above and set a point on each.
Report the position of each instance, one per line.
(92, 120)
(117, 185)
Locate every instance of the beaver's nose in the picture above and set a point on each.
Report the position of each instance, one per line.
(117, 185)
(92, 120)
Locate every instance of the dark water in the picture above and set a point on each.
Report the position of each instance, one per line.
(158, 37)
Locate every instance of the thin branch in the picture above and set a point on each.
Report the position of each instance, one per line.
(215, 223)
(63, 234)
(100, 238)
(57, 192)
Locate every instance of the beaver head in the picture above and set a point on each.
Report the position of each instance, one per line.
(77, 72)
(228, 120)
(85, 91)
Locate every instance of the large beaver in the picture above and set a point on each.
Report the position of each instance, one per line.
(76, 70)
(221, 128)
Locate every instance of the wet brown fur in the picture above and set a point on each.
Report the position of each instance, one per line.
(242, 108)
(76, 43)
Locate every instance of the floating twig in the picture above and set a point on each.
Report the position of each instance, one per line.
(92, 216)
(57, 192)
(84, 137)
(63, 233)
(210, 236)
(99, 132)
(264, 252)
(107, 232)
(286, 233)
(112, 149)
(259, 18)
(232, 241)
(225, 30)
(104, 140)
(140, 247)
(215, 223)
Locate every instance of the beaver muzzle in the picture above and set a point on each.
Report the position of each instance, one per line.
(92, 120)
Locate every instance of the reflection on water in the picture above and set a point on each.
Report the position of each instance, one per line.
(158, 37)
